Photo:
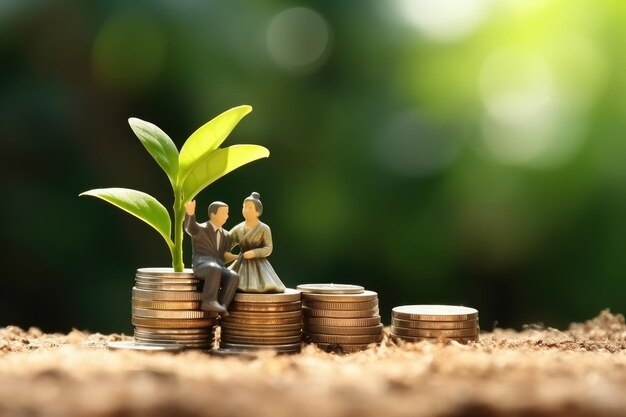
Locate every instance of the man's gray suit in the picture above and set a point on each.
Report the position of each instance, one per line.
(220, 283)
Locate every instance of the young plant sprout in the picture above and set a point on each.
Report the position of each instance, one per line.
(200, 162)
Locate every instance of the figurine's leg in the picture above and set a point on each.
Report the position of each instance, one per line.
(230, 281)
(210, 273)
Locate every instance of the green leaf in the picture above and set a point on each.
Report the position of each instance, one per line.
(208, 138)
(219, 163)
(140, 205)
(160, 146)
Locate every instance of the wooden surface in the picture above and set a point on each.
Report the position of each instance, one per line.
(575, 372)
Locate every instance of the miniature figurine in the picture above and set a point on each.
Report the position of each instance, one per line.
(255, 242)
(210, 242)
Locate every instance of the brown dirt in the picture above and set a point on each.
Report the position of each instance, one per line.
(536, 372)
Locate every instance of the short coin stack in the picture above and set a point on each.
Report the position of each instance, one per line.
(166, 310)
(340, 317)
(263, 321)
(415, 323)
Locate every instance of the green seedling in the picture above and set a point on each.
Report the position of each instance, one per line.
(200, 162)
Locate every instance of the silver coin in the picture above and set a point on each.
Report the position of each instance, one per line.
(167, 347)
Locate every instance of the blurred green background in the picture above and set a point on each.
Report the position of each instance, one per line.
(466, 152)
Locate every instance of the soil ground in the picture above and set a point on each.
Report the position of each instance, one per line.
(537, 372)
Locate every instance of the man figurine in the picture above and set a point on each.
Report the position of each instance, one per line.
(211, 244)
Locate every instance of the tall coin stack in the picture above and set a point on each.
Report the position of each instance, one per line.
(166, 310)
(415, 323)
(340, 317)
(263, 321)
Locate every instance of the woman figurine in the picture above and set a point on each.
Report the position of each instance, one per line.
(255, 242)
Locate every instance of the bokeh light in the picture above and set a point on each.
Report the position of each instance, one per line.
(298, 39)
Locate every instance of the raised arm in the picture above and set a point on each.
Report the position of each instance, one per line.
(190, 224)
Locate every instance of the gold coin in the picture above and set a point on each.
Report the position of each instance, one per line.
(195, 342)
(161, 336)
(434, 313)
(149, 295)
(269, 315)
(184, 281)
(344, 330)
(167, 347)
(330, 288)
(166, 272)
(343, 348)
(255, 340)
(440, 325)
(174, 332)
(165, 287)
(252, 327)
(287, 348)
(265, 307)
(172, 314)
(173, 324)
(259, 333)
(167, 305)
(333, 322)
(333, 305)
(434, 339)
(399, 331)
(343, 298)
(262, 321)
(282, 297)
(344, 314)
(349, 339)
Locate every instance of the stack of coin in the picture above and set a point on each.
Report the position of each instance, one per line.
(263, 321)
(340, 317)
(166, 310)
(434, 322)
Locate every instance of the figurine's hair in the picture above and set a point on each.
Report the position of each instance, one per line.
(255, 198)
(216, 205)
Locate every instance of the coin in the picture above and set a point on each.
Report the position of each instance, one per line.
(333, 322)
(343, 348)
(256, 321)
(190, 343)
(165, 287)
(288, 296)
(265, 307)
(287, 348)
(152, 280)
(169, 347)
(166, 272)
(434, 313)
(226, 332)
(344, 330)
(173, 332)
(172, 314)
(173, 324)
(167, 305)
(265, 315)
(161, 336)
(253, 327)
(254, 340)
(434, 339)
(330, 288)
(349, 339)
(415, 324)
(142, 294)
(344, 298)
(333, 305)
(312, 312)
(399, 331)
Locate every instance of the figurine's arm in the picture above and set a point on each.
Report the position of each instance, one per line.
(265, 250)
(229, 257)
(191, 226)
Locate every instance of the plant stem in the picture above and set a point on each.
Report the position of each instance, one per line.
(179, 217)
